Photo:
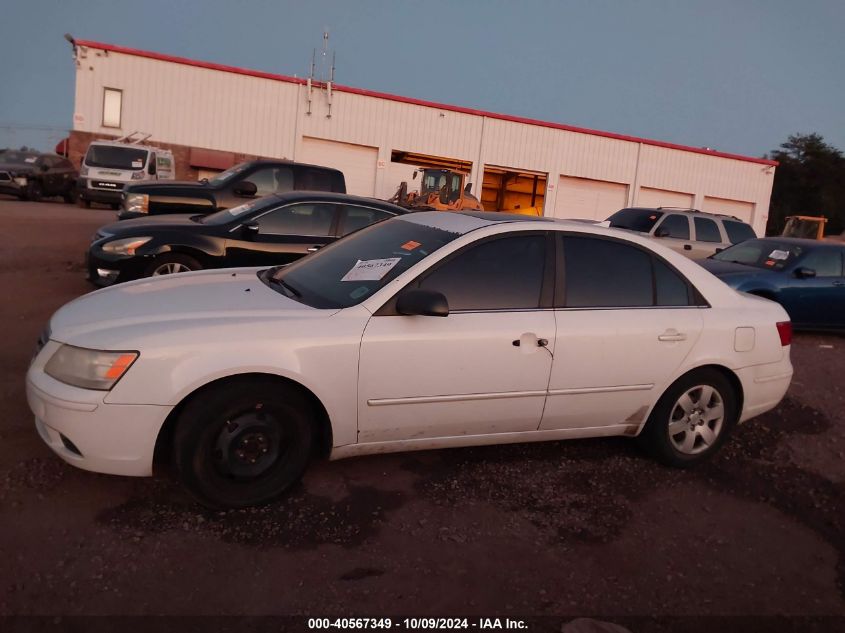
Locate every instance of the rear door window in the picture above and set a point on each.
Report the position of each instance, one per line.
(676, 225)
(601, 273)
(827, 262)
(313, 219)
(354, 217)
(707, 230)
(738, 231)
(310, 179)
(605, 274)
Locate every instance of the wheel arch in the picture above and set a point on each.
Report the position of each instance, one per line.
(323, 435)
(729, 375)
(195, 251)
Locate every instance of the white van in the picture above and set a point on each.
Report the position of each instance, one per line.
(109, 165)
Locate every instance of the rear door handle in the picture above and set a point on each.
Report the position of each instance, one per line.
(313, 249)
(687, 247)
(672, 335)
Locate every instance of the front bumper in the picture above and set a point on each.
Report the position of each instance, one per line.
(89, 433)
(104, 269)
(12, 188)
(104, 196)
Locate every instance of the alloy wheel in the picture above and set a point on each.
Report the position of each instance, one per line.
(696, 420)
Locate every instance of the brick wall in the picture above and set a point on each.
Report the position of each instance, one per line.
(79, 142)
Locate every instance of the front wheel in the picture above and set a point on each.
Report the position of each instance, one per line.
(692, 419)
(171, 263)
(34, 191)
(243, 443)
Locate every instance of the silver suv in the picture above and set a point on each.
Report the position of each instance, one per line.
(689, 231)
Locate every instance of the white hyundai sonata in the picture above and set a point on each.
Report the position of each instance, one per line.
(424, 331)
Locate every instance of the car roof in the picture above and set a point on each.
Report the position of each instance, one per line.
(285, 161)
(801, 241)
(685, 210)
(338, 198)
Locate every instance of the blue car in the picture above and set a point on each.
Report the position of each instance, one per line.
(807, 277)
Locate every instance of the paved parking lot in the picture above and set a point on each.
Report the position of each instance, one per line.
(564, 528)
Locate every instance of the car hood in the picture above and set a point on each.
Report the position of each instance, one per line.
(18, 168)
(157, 222)
(120, 316)
(163, 187)
(732, 273)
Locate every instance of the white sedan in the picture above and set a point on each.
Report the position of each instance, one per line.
(424, 331)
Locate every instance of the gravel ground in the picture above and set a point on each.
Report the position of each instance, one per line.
(560, 529)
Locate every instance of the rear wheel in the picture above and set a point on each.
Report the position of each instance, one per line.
(243, 443)
(171, 263)
(692, 419)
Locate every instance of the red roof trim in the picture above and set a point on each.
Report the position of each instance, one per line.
(419, 102)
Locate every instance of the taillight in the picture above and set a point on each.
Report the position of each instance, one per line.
(785, 332)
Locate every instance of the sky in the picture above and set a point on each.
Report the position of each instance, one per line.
(737, 76)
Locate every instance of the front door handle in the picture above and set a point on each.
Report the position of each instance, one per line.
(687, 247)
(529, 339)
(313, 249)
(672, 335)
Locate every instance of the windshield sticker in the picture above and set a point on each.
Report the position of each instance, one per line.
(243, 208)
(410, 245)
(137, 164)
(30, 159)
(371, 269)
(777, 254)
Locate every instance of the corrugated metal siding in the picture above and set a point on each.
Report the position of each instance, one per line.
(203, 107)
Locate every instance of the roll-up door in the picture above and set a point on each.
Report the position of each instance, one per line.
(589, 199)
(357, 162)
(648, 197)
(742, 210)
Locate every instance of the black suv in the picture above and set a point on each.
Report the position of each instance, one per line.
(33, 175)
(236, 185)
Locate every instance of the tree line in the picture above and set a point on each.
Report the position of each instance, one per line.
(810, 180)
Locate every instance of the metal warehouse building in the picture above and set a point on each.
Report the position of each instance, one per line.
(213, 116)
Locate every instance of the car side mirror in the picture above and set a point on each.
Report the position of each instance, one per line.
(250, 229)
(803, 272)
(151, 168)
(245, 189)
(422, 303)
(661, 232)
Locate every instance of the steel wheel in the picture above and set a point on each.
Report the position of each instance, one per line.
(696, 420)
(169, 268)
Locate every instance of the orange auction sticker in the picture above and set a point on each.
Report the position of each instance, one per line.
(410, 245)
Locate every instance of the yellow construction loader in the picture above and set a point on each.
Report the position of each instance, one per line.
(440, 190)
(809, 227)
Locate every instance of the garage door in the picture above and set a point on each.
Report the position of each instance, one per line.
(357, 162)
(589, 199)
(648, 197)
(742, 210)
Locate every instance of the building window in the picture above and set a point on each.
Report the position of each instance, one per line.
(112, 103)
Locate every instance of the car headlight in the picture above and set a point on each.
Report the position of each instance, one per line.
(126, 246)
(21, 180)
(89, 368)
(137, 203)
(137, 175)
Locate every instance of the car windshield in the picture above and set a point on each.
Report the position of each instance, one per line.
(768, 254)
(114, 157)
(228, 215)
(641, 220)
(13, 157)
(223, 177)
(345, 273)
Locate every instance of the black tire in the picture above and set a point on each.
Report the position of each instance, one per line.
(70, 196)
(34, 191)
(177, 263)
(83, 203)
(657, 439)
(243, 443)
